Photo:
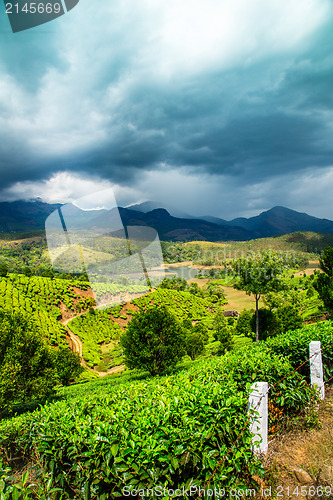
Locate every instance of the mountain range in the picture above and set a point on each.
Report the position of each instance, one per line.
(19, 216)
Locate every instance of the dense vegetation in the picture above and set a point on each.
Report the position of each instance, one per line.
(42, 298)
(171, 431)
(153, 341)
(22, 251)
(135, 430)
(29, 367)
(100, 334)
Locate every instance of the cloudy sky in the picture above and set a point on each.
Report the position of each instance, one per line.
(220, 107)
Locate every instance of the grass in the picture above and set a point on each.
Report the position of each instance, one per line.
(311, 451)
(237, 300)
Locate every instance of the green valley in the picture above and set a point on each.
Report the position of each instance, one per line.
(186, 427)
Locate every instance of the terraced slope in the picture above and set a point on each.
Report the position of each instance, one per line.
(100, 331)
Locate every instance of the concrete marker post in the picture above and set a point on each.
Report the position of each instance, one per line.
(316, 368)
(258, 403)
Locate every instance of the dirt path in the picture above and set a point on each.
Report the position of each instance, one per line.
(77, 346)
(304, 459)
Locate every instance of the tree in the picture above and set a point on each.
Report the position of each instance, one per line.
(48, 273)
(290, 317)
(243, 326)
(68, 365)
(194, 289)
(3, 269)
(216, 290)
(223, 331)
(257, 275)
(153, 341)
(270, 324)
(174, 283)
(27, 372)
(324, 281)
(27, 271)
(195, 338)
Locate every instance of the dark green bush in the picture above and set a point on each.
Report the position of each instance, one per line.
(295, 345)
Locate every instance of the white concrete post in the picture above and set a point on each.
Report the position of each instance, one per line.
(258, 403)
(316, 368)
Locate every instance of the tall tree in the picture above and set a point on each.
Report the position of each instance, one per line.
(258, 274)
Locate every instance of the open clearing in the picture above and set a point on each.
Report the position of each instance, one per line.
(238, 300)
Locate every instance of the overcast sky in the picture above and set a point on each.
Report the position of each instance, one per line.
(220, 107)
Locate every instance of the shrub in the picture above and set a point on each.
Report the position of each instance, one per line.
(26, 368)
(222, 331)
(67, 364)
(153, 340)
(243, 326)
(295, 345)
(269, 324)
(289, 317)
(172, 431)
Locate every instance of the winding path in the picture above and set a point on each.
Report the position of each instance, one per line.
(77, 346)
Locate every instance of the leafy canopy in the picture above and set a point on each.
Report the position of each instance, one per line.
(259, 274)
(324, 281)
(27, 372)
(153, 340)
(223, 332)
(195, 338)
(68, 365)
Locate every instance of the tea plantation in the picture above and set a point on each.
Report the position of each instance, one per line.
(173, 431)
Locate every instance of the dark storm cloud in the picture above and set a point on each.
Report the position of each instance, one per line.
(114, 101)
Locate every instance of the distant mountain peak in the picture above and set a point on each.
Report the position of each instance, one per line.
(148, 206)
(29, 215)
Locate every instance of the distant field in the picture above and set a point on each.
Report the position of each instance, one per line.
(205, 244)
(313, 265)
(309, 243)
(237, 300)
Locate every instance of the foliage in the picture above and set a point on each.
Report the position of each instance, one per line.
(289, 317)
(3, 269)
(215, 289)
(194, 289)
(18, 491)
(324, 280)
(295, 345)
(100, 438)
(41, 298)
(26, 369)
(97, 329)
(67, 364)
(182, 304)
(195, 338)
(178, 252)
(153, 340)
(174, 283)
(244, 321)
(270, 324)
(181, 285)
(223, 331)
(259, 274)
(300, 296)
